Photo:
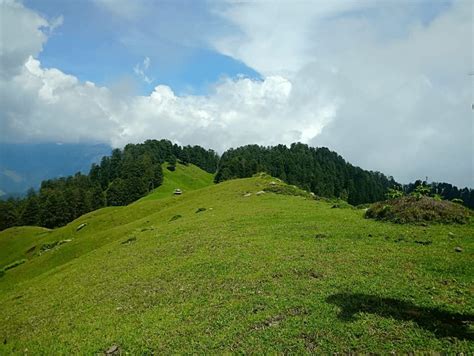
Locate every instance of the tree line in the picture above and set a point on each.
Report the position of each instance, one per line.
(324, 173)
(446, 191)
(318, 170)
(119, 179)
(130, 173)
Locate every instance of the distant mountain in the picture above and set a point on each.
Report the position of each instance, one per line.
(23, 166)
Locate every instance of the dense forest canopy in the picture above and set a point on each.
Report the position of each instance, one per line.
(318, 170)
(130, 173)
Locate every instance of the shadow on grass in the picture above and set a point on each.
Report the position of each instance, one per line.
(440, 322)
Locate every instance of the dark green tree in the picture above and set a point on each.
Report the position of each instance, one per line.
(31, 211)
(116, 194)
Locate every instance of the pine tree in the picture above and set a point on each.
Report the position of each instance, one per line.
(31, 212)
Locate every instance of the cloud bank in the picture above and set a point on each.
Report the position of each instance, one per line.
(382, 85)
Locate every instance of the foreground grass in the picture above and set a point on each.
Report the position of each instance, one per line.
(262, 273)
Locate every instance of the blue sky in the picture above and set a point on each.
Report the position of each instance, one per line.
(94, 45)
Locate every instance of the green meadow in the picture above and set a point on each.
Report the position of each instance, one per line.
(226, 268)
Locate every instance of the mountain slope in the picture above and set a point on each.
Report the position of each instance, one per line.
(260, 273)
(15, 242)
(20, 242)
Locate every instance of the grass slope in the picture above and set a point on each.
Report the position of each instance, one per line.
(16, 241)
(185, 177)
(259, 273)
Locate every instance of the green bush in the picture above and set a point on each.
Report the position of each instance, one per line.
(394, 193)
(421, 191)
(437, 197)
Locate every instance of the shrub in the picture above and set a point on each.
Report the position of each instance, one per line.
(421, 191)
(394, 193)
(414, 209)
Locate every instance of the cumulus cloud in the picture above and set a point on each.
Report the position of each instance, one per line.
(61, 107)
(47, 105)
(399, 78)
(237, 111)
(386, 90)
(21, 36)
(276, 37)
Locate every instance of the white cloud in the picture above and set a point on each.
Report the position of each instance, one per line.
(47, 105)
(21, 36)
(395, 99)
(275, 37)
(140, 70)
(238, 112)
(400, 82)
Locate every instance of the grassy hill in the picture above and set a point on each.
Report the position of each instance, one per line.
(186, 178)
(15, 242)
(221, 270)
